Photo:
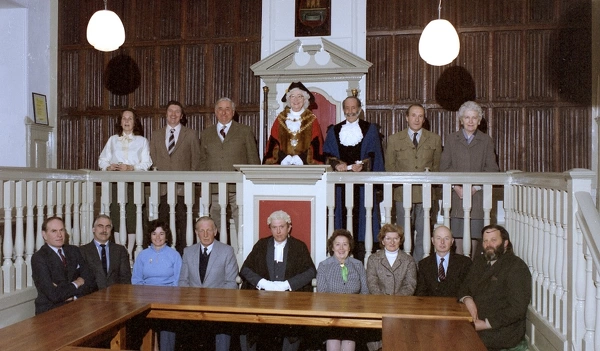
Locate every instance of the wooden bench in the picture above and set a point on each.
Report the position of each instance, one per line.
(104, 314)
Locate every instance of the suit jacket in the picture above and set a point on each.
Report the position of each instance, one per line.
(402, 156)
(53, 281)
(221, 271)
(299, 267)
(398, 279)
(428, 284)
(478, 156)
(238, 147)
(119, 269)
(329, 277)
(501, 293)
(185, 155)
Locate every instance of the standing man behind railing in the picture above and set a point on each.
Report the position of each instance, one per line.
(223, 145)
(175, 148)
(413, 150)
(354, 145)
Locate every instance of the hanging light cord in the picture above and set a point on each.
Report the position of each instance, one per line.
(439, 9)
(106, 7)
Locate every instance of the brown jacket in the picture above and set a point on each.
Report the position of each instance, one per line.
(398, 279)
(185, 156)
(239, 147)
(402, 156)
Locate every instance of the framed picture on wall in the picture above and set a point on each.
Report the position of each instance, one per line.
(40, 108)
(313, 18)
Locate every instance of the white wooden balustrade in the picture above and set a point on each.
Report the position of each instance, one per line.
(551, 217)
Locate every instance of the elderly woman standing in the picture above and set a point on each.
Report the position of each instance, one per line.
(468, 150)
(340, 273)
(296, 137)
(159, 264)
(127, 150)
(391, 271)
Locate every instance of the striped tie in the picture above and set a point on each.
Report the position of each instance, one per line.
(223, 134)
(171, 141)
(441, 273)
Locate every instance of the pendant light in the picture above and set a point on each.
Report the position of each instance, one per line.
(105, 31)
(439, 44)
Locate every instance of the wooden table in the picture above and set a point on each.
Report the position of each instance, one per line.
(296, 308)
(105, 314)
(77, 323)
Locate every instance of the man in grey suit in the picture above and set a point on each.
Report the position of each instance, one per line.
(108, 261)
(209, 264)
(175, 148)
(223, 145)
(413, 150)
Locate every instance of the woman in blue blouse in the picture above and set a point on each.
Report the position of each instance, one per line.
(158, 264)
(340, 273)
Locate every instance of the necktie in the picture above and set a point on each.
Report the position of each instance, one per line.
(415, 141)
(203, 264)
(62, 257)
(171, 141)
(222, 132)
(441, 273)
(103, 258)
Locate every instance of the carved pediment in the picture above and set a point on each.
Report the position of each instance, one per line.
(325, 62)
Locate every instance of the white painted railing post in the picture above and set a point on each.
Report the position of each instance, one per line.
(8, 269)
(30, 231)
(20, 267)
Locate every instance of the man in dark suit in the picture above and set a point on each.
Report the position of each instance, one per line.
(497, 292)
(223, 145)
(279, 263)
(59, 272)
(413, 150)
(108, 261)
(175, 148)
(209, 264)
(443, 273)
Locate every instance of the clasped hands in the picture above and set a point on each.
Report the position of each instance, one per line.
(269, 285)
(119, 167)
(355, 167)
(290, 160)
(480, 324)
(458, 189)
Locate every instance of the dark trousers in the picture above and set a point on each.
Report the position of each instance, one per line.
(180, 219)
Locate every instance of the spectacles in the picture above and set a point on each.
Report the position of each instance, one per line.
(391, 239)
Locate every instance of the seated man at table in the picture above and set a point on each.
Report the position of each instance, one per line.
(279, 263)
(59, 272)
(108, 261)
(443, 273)
(209, 264)
(497, 292)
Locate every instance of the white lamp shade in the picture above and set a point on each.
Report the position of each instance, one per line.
(439, 44)
(105, 31)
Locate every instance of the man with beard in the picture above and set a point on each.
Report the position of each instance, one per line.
(497, 291)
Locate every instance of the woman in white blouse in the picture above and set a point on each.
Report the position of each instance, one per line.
(127, 150)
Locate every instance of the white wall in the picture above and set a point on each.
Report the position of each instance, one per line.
(348, 30)
(27, 64)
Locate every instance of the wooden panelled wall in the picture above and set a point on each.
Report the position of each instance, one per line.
(193, 51)
(527, 62)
